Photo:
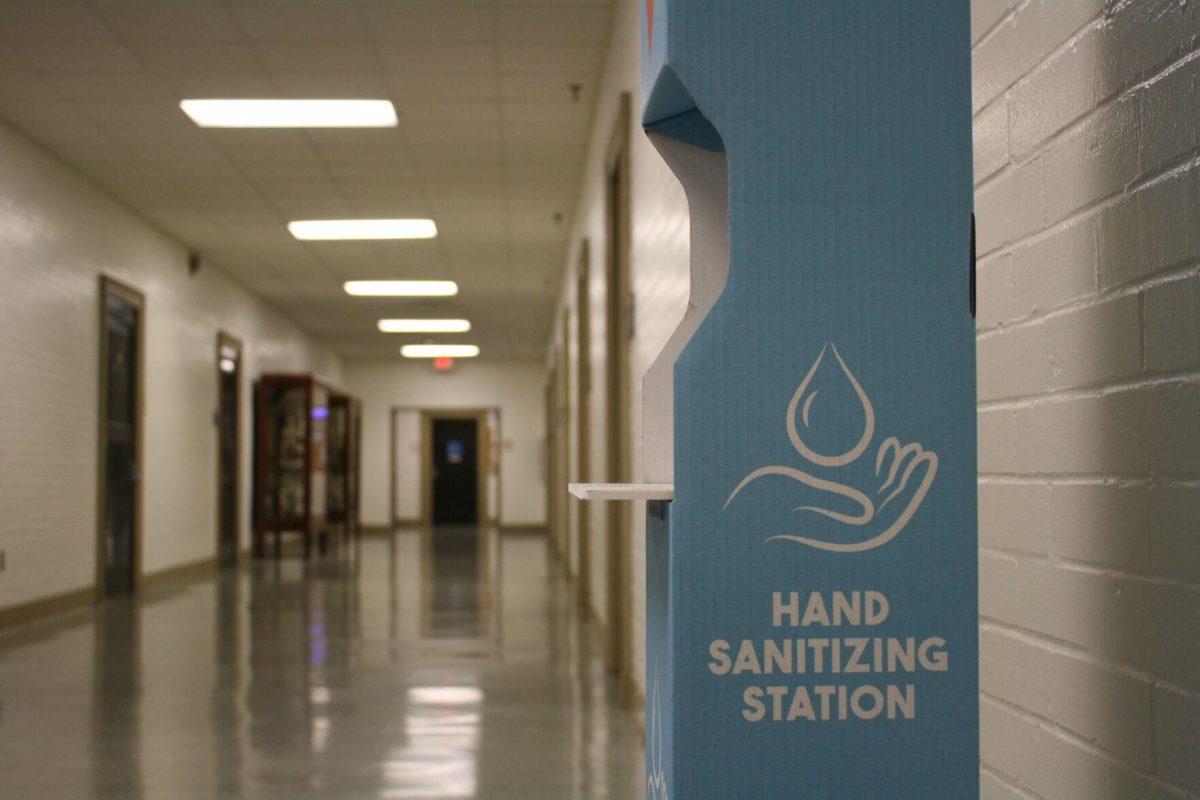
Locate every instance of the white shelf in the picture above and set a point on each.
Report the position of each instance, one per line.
(623, 491)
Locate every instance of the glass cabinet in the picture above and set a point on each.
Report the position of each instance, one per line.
(291, 461)
(345, 428)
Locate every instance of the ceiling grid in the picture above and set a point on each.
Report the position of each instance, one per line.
(489, 144)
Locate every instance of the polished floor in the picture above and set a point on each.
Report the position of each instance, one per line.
(448, 664)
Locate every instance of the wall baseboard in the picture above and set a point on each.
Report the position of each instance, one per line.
(34, 610)
(179, 571)
(509, 527)
(46, 606)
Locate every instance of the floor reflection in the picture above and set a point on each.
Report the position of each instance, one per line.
(426, 664)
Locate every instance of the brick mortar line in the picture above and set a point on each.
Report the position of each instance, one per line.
(1054, 729)
(1164, 170)
(1171, 478)
(1135, 84)
(1085, 568)
(1152, 280)
(1091, 391)
(1052, 480)
(1070, 41)
(1005, 17)
(1187, 161)
(1063, 647)
(1012, 163)
(1008, 780)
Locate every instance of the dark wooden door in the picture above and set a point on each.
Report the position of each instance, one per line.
(228, 392)
(121, 476)
(455, 472)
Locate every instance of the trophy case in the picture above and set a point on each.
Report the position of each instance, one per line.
(292, 461)
(345, 434)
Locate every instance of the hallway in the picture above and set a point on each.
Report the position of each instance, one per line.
(433, 665)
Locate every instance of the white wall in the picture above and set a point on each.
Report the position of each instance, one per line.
(659, 276)
(1088, 203)
(515, 387)
(406, 449)
(1088, 197)
(57, 234)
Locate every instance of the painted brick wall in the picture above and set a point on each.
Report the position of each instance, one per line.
(1087, 197)
(57, 234)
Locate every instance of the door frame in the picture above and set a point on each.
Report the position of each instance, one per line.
(111, 287)
(401, 521)
(618, 328)
(583, 428)
(551, 455)
(562, 458)
(428, 415)
(225, 339)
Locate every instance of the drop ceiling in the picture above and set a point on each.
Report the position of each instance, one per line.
(490, 143)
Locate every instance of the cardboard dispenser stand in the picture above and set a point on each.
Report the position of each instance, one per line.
(810, 428)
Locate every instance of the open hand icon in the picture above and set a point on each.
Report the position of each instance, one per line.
(905, 474)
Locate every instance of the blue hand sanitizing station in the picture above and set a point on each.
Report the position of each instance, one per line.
(812, 586)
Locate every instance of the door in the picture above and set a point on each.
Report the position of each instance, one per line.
(120, 395)
(229, 378)
(455, 472)
(618, 325)
(583, 430)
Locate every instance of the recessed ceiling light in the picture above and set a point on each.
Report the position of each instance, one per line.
(291, 113)
(424, 325)
(439, 351)
(401, 288)
(339, 229)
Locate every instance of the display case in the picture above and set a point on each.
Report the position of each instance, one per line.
(345, 431)
(291, 463)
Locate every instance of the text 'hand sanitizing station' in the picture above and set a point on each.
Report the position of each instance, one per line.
(810, 428)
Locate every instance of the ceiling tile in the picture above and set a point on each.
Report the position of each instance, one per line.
(175, 21)
(327, 21)
(550, 56)
(316, 57)
(548, 86)
(50, 19)
(184, 59)
(28, 85)
(367, 84)
(111, 86)
(438, 56)
(62, 55)
(389, 20)
(490, 140)
(411, 89)
(540, 23)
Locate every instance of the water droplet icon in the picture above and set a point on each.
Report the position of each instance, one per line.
(805, 396)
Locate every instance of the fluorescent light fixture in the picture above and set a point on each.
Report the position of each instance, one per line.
(401, 288)
(341, 229)
(439, 351)
(424, 325)
(291, 113)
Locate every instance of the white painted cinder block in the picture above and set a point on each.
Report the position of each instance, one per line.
(58, 234)
(1089, 426)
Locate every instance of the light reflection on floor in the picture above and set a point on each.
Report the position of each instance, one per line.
(434, 665)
